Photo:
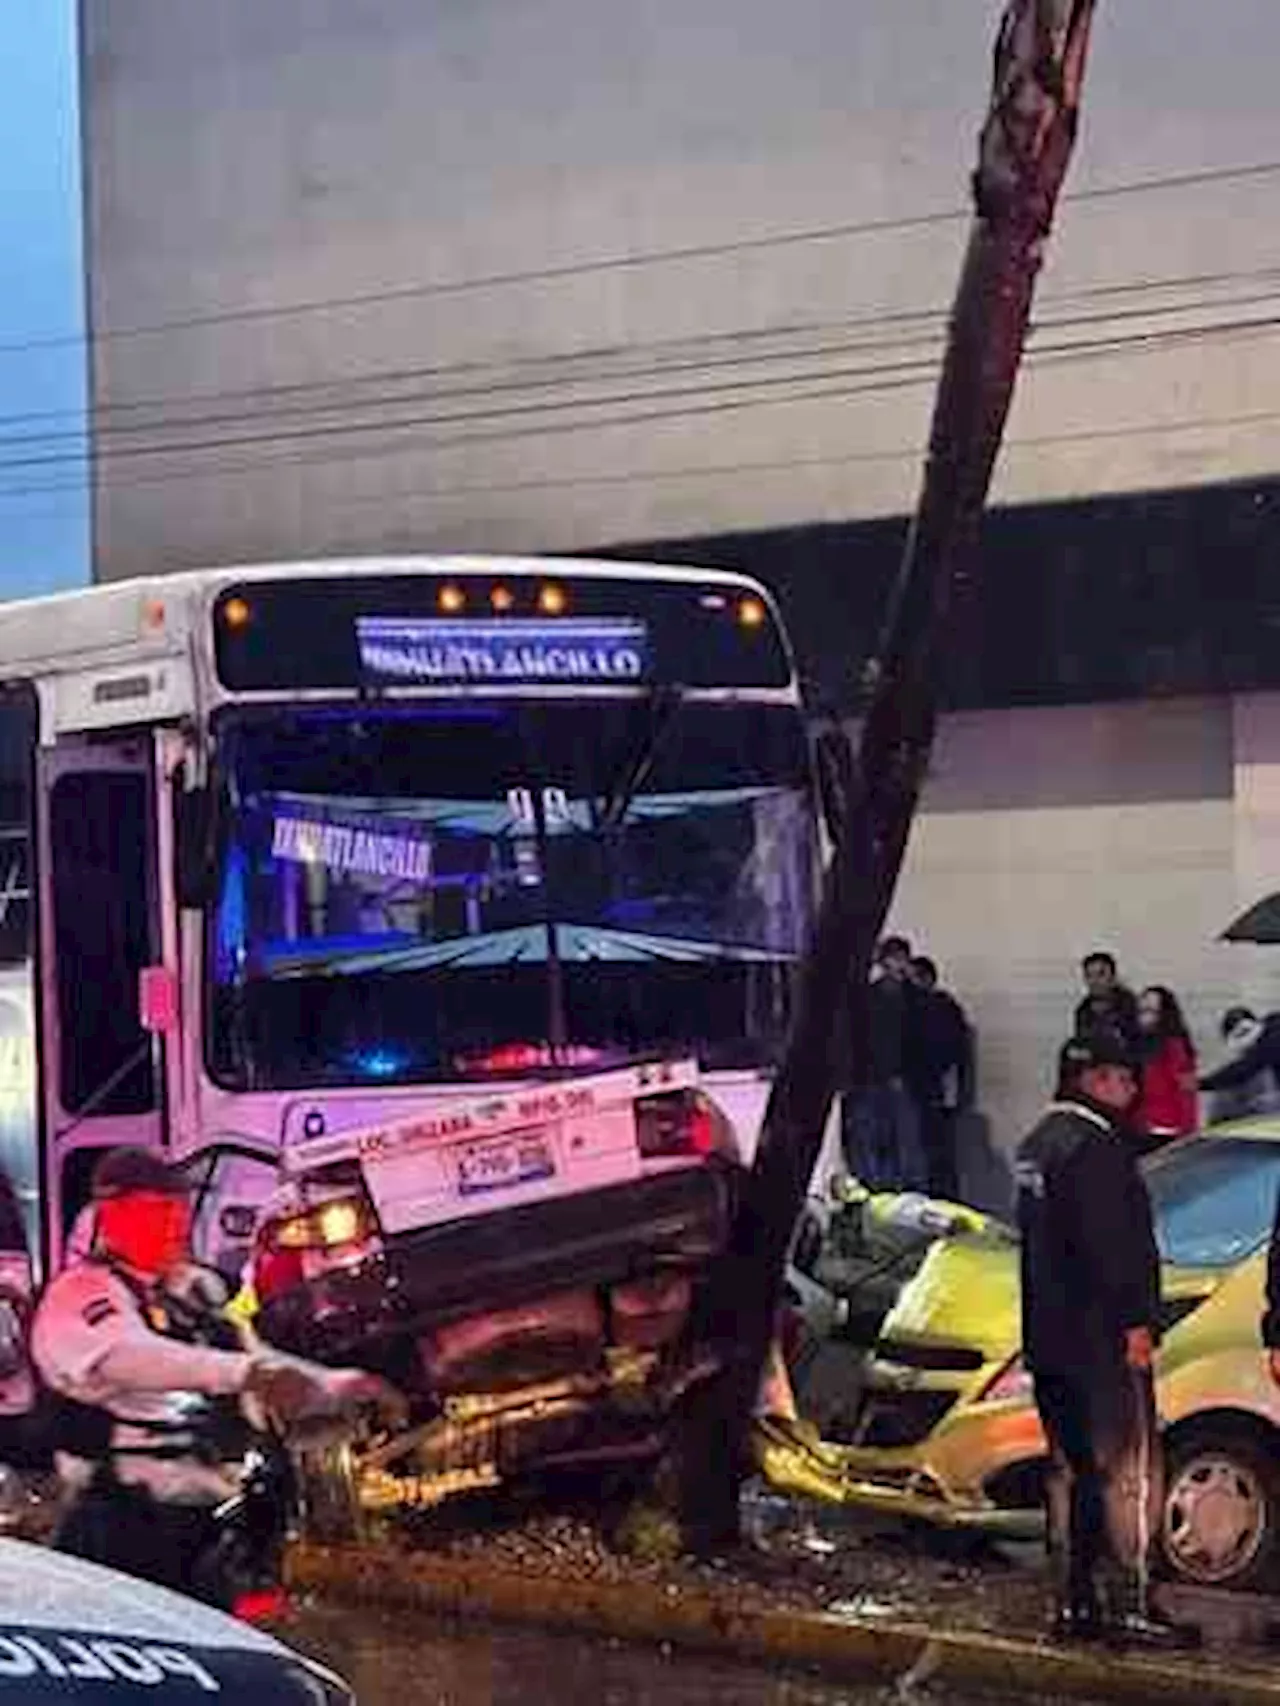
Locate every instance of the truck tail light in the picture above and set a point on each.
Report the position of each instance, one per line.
(678, 1122)
(288, 1245)
(328, 1226)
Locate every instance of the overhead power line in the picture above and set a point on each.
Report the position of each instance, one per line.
(908, 453)
(768, 465)
(628, 261)
(354, 441)
(572, 368)
(166, 438)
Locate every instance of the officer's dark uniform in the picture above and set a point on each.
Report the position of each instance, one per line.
(1090, 1274)
(1271, 1315)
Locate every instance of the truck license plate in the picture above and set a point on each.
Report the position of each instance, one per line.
(502, 1162)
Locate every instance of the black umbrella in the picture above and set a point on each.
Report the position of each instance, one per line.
(1260, 924)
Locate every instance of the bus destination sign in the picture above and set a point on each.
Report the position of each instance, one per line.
(348, 632)
(596, 651)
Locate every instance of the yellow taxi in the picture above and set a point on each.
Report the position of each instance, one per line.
(947, 1430)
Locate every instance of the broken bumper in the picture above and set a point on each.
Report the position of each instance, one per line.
(678, 1218)
(918, 1498)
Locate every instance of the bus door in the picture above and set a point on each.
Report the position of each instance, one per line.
(102, 1070)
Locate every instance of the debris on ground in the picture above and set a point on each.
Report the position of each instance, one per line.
(814, 1558)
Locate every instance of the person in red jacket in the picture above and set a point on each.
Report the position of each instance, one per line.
(1168, 1106)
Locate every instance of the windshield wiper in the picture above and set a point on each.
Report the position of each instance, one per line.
(661, 708)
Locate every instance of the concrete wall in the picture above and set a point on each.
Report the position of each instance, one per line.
(551, 307)
(648, 357)
(1140, 828)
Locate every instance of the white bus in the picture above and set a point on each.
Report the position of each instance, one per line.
(444, 914)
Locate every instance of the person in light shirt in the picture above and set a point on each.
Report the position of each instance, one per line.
(156, 1396)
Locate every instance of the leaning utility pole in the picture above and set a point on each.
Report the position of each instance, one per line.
(1024, 150)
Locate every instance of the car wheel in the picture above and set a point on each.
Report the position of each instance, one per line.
(1221, 1509)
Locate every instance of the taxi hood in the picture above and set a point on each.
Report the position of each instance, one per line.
(965, 1292)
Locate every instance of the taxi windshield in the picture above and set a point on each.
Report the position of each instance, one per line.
(1213, 1199)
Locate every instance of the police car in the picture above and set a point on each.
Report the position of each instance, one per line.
(72, 1631)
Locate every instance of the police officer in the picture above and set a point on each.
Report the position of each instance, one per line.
(1271, 1314)
(1090, 1315)
(153, 1385)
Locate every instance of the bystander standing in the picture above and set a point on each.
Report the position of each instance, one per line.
(1167, 1105)
(880, 1119)
(1246, 1081)
(1107, 1005)
(940, 1074)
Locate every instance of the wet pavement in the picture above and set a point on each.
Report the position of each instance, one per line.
(406, 1659)
(815, 1559)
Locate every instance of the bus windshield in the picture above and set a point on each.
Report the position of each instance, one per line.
(442, 892)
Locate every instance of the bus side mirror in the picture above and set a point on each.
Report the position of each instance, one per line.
(195, 851)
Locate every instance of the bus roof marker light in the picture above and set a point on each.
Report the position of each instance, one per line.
(552, 600)
(713, 601)
(153, 615)
(236, 613)
(452, 600)
(502, 599)
(751, 613)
